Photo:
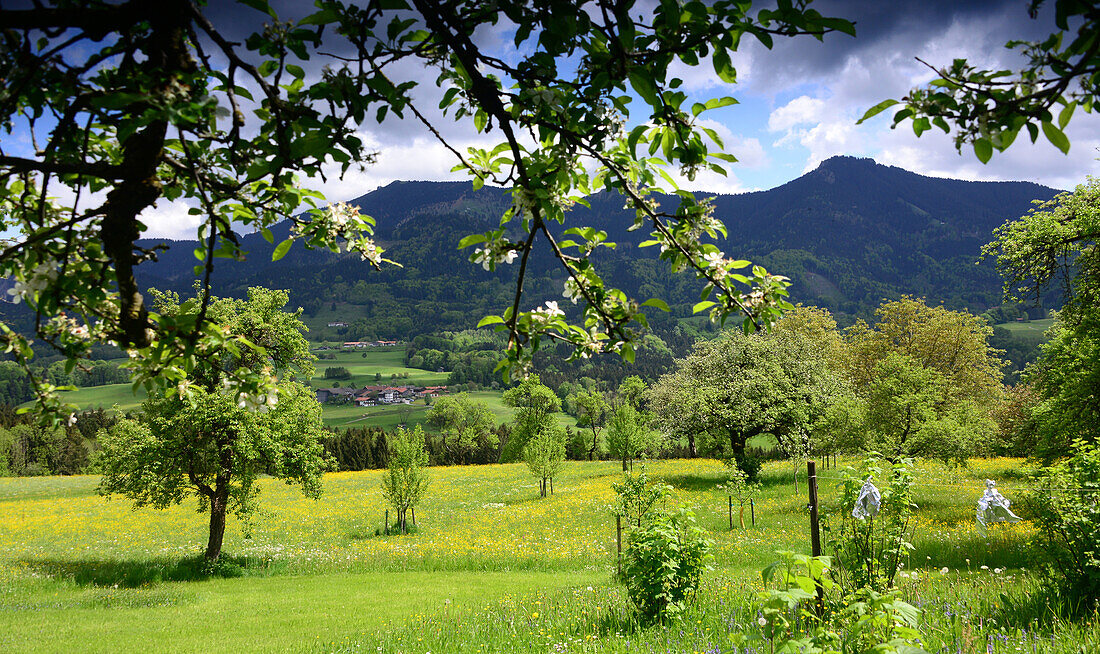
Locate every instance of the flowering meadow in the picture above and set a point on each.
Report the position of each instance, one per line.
(490, 566)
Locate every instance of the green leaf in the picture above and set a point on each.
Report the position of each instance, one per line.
(322, 17)
(723, 67)
(260, 5)
(268, 67)
(1056, 136)
(656, 302)
(281, 249)
(876, 110)
(703, 306)
(490, 320)
(472, 239)
(645, 86)
(983, 150)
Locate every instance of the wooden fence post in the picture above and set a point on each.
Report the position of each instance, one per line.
(387, 527)
(815, 529)
(752, 510)
(619, 543)
(730, 497)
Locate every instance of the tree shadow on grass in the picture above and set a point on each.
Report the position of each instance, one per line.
(114, 573)
(694, 483)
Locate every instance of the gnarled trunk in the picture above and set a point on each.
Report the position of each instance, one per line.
(219, 505)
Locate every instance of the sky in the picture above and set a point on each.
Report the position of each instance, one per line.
(799, 103)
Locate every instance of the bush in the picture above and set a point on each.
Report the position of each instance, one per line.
(665, 559)
(337, 372)
(869, 553)
(1064, 504)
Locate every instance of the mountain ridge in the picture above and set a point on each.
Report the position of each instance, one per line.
(849, 233)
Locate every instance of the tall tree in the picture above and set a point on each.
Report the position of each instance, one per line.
(928, 379)
(1056, 243)
(954, 344)
(592, 412)
(200, 439)
(152, 101)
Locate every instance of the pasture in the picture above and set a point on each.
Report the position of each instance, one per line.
(491, 568)
(1038, 327)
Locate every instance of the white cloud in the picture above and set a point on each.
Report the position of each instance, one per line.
(800, 111)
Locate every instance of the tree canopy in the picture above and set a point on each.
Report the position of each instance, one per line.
(200, 439)
(465, 421)
(1056, 243)
(134, 103)
(739, 386)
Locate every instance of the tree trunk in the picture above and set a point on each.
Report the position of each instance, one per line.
(691, 445)
(624, 464)
(218, 506)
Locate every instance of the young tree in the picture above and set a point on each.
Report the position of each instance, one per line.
(154, 101)
(544, 455)
(534, 405)
(406, 476)
(592, 411)
(467, 422)
(629, 435)
(201, 439)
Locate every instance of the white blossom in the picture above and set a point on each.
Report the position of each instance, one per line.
(572, 290)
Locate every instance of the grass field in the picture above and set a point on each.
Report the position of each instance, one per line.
(492, 567)
(1033, 327)
(384, 361)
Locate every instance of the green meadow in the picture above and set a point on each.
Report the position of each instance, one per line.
(1038, 327)
(490, 567)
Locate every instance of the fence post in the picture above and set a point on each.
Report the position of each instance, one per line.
(815, 528)
(730, 497)
(752, 510)
(619, 544)
(387, 527)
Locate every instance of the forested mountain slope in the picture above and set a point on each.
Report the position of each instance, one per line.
(849, 234)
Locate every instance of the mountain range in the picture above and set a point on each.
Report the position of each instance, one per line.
(849, 234)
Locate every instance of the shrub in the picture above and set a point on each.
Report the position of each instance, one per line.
(867, 553)
(337, 372)
(665, 559)
(1064, 504)
(638, 500)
